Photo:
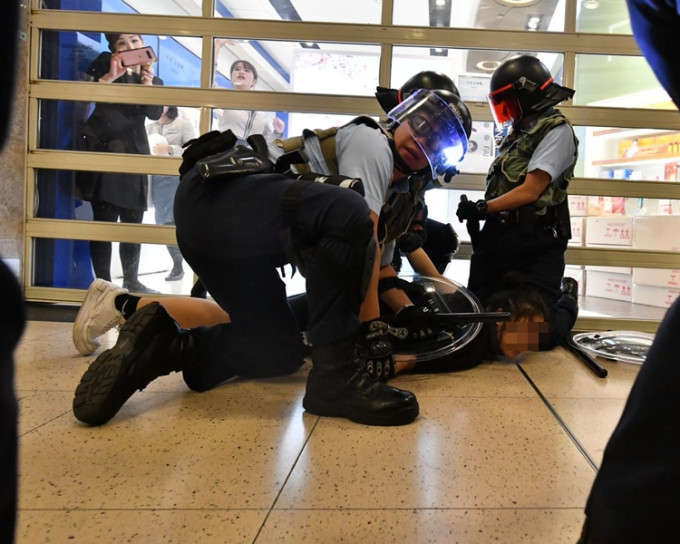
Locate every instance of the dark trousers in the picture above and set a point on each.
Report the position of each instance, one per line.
(12, 324)
(101, 251)
(537, 257)
(636, 494)
(230, 234)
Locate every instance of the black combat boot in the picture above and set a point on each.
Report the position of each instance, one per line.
(150, 344)
(338, 387)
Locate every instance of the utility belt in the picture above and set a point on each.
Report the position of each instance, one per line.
(555, 219)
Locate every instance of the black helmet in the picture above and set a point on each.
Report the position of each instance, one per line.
(427, 79)
(440, 122)
(521, 86)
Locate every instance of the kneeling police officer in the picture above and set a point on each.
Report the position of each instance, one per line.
(229, 229)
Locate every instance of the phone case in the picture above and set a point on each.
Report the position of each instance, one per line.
(143, 55)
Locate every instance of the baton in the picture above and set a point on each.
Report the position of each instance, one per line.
(467, 317)
(589, 360)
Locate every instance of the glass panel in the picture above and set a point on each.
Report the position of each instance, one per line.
(92, 196)
(618, 81)
(634, 154)
(325, 11)
(157, 7)
(324, 68)
(75, 56)
(470, 69)
(116, 128)
(68, 264)
(246, 122)
(602, 17)
(530, 15)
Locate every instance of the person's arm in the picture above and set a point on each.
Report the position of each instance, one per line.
(528, 192)
(395, 298)
(421, 263)
(370, 308)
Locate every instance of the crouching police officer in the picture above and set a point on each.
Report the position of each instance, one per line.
(525, 205)
(229, 230)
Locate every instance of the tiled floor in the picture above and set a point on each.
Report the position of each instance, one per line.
(487, 460)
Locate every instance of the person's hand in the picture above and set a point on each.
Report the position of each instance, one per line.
(116, 68)
(160, 148)
(470, 211)
(449, 173)
(279, 125)
(375, 350)
(146, 71)
(416, 321)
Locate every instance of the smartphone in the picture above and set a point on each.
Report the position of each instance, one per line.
(143, 55)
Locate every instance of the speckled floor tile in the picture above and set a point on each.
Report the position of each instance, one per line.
(461, 453)
(592, 421)
(489, 380)
(559, 373)
(139, 526)
(440, 526)
(38, 408)
(167, 450)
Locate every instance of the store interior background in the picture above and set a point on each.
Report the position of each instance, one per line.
(352, 69)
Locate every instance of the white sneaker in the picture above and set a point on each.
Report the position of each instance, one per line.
(97, 315)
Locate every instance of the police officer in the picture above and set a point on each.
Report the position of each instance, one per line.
(525, 209)
(229, 232)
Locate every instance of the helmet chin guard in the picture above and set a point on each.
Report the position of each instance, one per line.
(436, 125)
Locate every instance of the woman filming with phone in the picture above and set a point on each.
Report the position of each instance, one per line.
(119, 128)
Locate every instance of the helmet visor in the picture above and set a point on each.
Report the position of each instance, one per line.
(504, 106)
(435, 126)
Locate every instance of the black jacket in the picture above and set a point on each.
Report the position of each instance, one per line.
(116, 128)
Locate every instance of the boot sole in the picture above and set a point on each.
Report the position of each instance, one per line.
(99, 396)
(400, 416)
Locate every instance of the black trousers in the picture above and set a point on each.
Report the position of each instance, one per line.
(537, 257)
(636, 494)
(101, 251)
(12, 324)
(230, 234)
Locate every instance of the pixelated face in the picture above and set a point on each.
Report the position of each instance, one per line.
(125, 42)
(525, 334)
(242, 77)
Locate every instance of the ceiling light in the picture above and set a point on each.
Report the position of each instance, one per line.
(488, 65)
(517, 3)
(440, 3)
(591, 4)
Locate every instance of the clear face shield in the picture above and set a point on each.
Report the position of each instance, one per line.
(434, 125)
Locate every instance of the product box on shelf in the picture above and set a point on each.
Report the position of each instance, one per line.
(657, 277)
(578, 205)
(578, 228)
(605, 206)
(610, 269)
(656, 232)
(609, 285)
(616, 231)
(661, 297)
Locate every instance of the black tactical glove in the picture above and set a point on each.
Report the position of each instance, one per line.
(416, 321)
(449, 173)
(471, 211)
(375, 349)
